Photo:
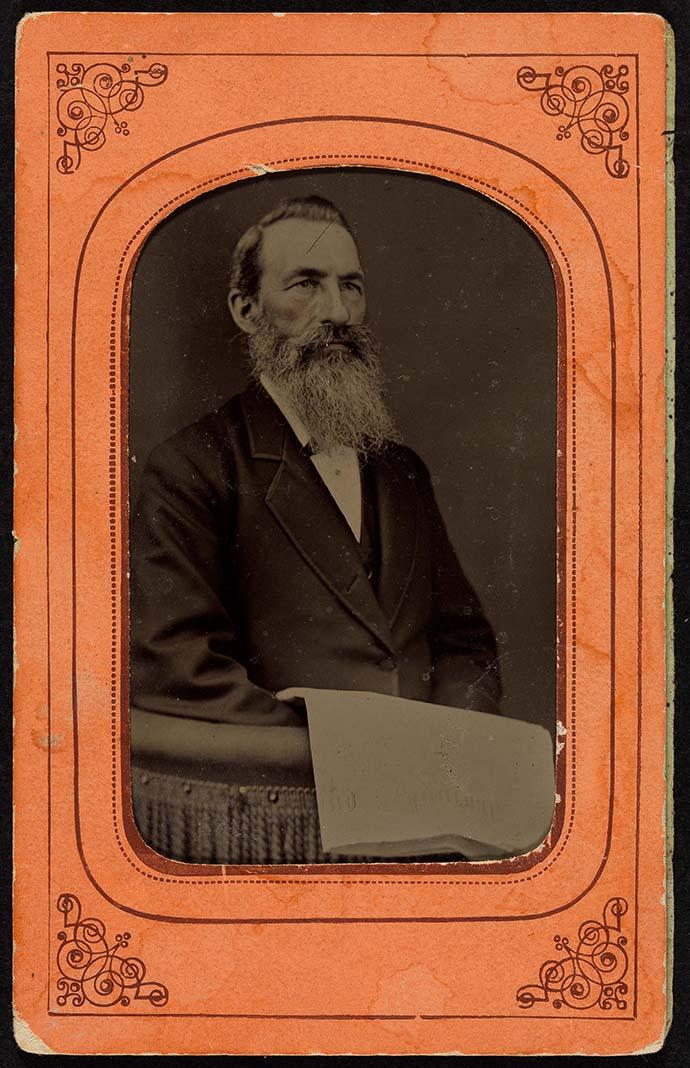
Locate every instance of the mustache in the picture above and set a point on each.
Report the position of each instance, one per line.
(358, 340)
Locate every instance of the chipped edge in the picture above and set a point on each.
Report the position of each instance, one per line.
(25, 1037)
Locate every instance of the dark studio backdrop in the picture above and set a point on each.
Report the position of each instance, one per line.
(461, 295)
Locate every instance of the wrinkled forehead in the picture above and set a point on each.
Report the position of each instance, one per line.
(290, 244)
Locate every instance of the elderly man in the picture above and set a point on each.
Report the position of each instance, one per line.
(286, 540)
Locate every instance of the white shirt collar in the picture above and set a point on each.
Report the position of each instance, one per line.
(339, 469)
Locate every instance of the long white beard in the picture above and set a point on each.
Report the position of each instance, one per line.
(339, 395)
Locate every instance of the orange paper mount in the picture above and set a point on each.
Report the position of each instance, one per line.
(122, 119)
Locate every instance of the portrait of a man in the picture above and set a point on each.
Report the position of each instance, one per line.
(288, 538)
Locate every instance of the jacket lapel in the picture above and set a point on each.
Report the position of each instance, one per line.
(398, 507)
(311, 519)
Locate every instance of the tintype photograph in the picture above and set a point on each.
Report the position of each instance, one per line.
(343, 409)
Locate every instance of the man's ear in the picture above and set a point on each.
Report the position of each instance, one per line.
(244, 310)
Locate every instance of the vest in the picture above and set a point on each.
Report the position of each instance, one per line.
(369, 544)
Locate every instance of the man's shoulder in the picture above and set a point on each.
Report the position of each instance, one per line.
(206, 437)
(200, 458)
(404, 460)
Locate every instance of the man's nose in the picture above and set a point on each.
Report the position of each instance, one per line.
(333, 308)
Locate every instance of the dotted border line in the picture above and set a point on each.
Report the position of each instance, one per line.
(112, 465)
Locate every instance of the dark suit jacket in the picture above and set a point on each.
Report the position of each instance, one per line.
(246, 579)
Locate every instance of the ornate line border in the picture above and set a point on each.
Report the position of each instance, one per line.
(594, 103)
(92, 970)
(91, 100)
(48, 627)
(591, 975)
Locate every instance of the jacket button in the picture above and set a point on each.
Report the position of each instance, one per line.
(388, 664)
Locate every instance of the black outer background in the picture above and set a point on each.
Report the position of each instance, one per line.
(461, 295)
(676, 1051)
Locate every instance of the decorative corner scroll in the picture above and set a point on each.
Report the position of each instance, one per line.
(594, 103)
(92, 99)
(93, 972)
(590, 976)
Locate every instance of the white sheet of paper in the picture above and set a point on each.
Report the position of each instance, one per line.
(390, 771)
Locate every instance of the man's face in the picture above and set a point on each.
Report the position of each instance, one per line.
(311, 276)
(306, 334)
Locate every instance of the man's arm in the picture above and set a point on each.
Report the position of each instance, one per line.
(184, 642)
(465, 662)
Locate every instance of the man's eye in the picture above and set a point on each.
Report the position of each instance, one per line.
(307, 283)
(352, 287)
